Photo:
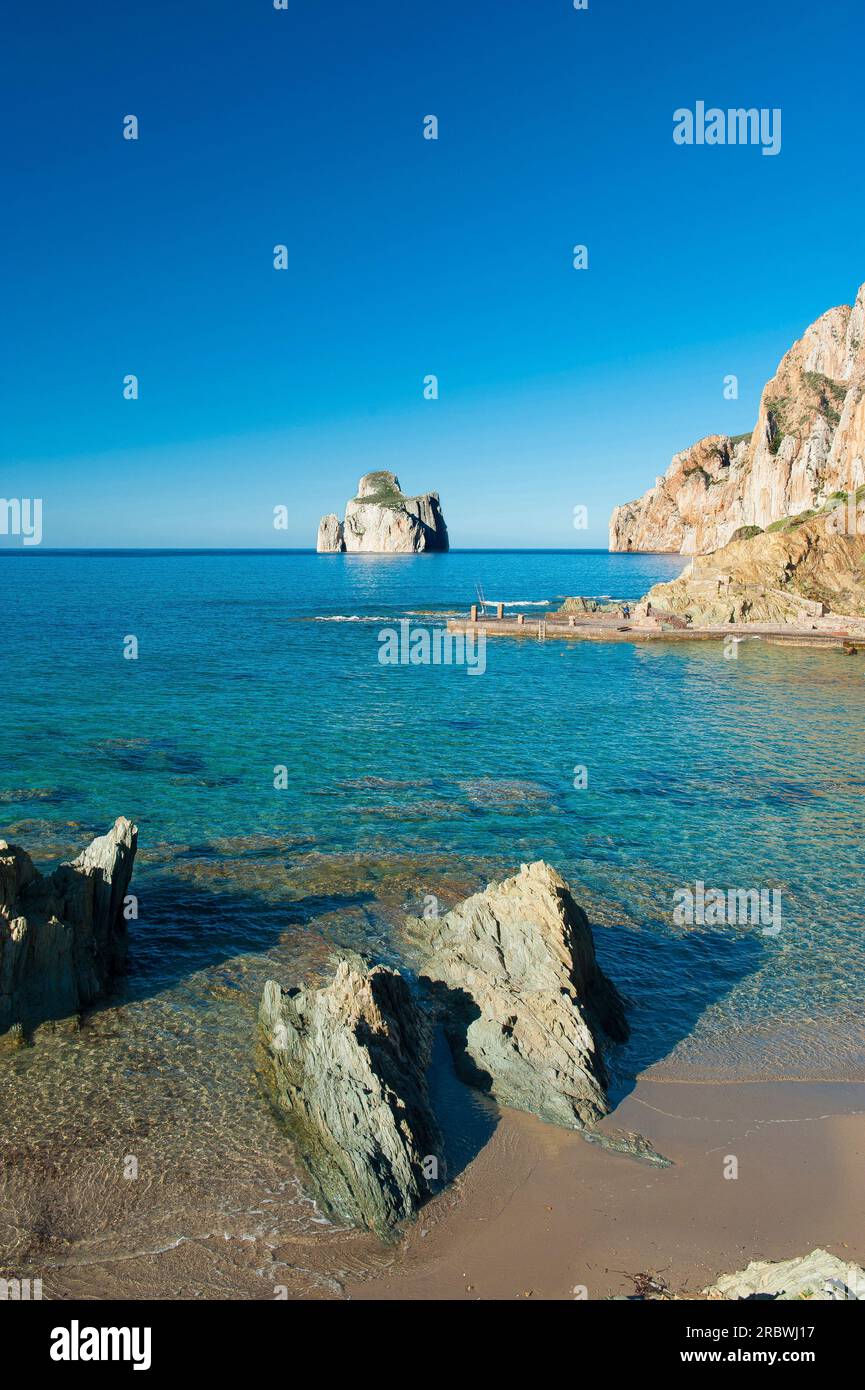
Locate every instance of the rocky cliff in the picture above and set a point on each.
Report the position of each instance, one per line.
(62, 937)
(796, 572)
(808, 443)
(381, 519)
(524, 1001)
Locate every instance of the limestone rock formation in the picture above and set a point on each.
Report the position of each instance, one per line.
(330, 535)
(381, 519)
(523, 999)
(64, 936)
(808, 443)
(347, 1067)
(818, 1276)
(794, 573)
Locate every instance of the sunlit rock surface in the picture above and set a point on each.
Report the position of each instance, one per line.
(808, 443)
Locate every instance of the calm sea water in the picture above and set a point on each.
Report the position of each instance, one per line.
(401, 782)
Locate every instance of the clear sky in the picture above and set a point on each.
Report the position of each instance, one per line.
(407, 256)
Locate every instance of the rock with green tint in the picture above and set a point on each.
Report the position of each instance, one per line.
(347, 1068)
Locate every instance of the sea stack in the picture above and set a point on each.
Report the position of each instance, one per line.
(382, 520)
(63, 937)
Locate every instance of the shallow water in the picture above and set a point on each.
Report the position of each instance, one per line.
(401, 782)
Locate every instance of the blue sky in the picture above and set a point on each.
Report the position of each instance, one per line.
(406, 256)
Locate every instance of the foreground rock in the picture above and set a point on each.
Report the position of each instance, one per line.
(382, 520)
(348, 1070)
(62, 937)
(819, 1276)
(796, 575)
(808, 443)
(523, 999)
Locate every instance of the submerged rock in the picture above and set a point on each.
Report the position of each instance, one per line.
(523, 999)
(347, 1068)
(64, 936)
(381, 519)
(819, 1276)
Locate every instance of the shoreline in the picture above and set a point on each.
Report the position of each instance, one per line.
(541, 1213)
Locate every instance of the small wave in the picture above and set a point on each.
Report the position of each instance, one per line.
(354, 618)
(518, 602)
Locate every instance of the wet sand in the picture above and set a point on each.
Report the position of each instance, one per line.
(541, 1212)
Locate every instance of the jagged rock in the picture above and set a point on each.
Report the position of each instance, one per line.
(523, 998)
(819, 1276)
(787, 575)
(62, 937)
(330, 535)
(347, 1067)
(381, 519)
(808, 443)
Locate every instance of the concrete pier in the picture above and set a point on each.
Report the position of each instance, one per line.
(601, 627)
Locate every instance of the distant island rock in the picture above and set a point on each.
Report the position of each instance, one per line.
(808, 445)
(382, 520)
(63, 937)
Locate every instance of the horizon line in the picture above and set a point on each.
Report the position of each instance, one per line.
(33, 551)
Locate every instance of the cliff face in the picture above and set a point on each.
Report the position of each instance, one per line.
(808, 443)
(62, 937)
(382, 520)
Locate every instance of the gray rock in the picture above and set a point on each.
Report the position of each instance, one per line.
(62, 937)
(818, 1276)
(523, 999)
(381, 519)
(347, 1068)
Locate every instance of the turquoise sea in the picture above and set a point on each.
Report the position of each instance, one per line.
(402, 782)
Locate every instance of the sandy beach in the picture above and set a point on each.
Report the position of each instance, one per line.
(543, 1214)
